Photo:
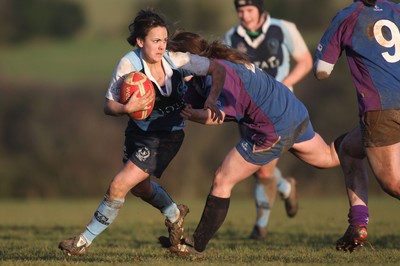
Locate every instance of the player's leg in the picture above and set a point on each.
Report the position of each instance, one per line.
(154, 194)
(351, 153)
(385, 163)
(381, 137)
(264, 192)
(160, 152)
(287, 189)
(107, 211)
(316, 152)
(234, 169)
(377, 137)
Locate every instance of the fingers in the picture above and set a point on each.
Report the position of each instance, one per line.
(140, 103)
(216, 114)
(186, 112)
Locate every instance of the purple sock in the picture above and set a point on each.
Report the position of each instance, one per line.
(358, 215)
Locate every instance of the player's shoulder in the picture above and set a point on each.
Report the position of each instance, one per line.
(134, 57)
(289, 28)
(283, 24)
(280, 22)
(227, 38)
(347, 12)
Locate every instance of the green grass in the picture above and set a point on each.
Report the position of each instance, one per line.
(31, 230)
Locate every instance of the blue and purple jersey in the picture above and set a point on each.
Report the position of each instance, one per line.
(370, 36)
(253, 98)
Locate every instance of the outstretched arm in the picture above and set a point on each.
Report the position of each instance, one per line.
(202, 116)
(217, 73)
(202, 66)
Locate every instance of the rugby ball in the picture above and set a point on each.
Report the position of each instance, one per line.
(137, 81)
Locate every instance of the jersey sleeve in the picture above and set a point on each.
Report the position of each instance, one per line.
(123, 67)
(197, 65)
(293, 39)
(337, 35)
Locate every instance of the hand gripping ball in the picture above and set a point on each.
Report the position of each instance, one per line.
(137, 81)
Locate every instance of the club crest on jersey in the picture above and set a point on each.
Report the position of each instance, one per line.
(273, 46)
(241, 47)
(142, 154)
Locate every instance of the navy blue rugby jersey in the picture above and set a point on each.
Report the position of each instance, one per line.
(272, 49)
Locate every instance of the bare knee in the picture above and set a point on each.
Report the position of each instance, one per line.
(265, 173)
(392, 188)
(222, 185)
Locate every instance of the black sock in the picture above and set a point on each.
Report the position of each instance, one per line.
(213, 217)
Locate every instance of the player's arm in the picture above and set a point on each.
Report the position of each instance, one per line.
(134, 104)
(330, 47)
(299, 53)
(303, 65)
(202, 116)
(217, 73)
(322, 69)
(112, 105)
(202, 66)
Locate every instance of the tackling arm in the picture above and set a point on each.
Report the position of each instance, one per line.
(201, 116)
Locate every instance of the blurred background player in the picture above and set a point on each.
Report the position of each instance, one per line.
(369, 32)
(271, 44)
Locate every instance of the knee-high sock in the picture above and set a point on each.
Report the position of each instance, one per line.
(264, 194)
(358, 215)
(163, 202)
(103, 217)
(213, 217)
(283, 186)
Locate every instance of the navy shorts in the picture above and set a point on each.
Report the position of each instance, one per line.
(152, 151)
(302, 133)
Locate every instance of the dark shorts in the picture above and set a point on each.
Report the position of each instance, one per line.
(380, 128)
(245, 147)
(152, 151)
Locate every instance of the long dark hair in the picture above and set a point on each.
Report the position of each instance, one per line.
(185, 41)
(369, 2)
(145, 20)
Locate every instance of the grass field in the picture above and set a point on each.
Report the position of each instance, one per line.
(31, 230)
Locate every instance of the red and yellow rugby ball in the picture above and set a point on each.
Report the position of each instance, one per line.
(137, 81)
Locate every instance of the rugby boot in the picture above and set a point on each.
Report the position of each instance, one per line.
(186, 249)
(291, 202)
(353, 238)
(258, 233)
(176, 229)
(74, 246)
